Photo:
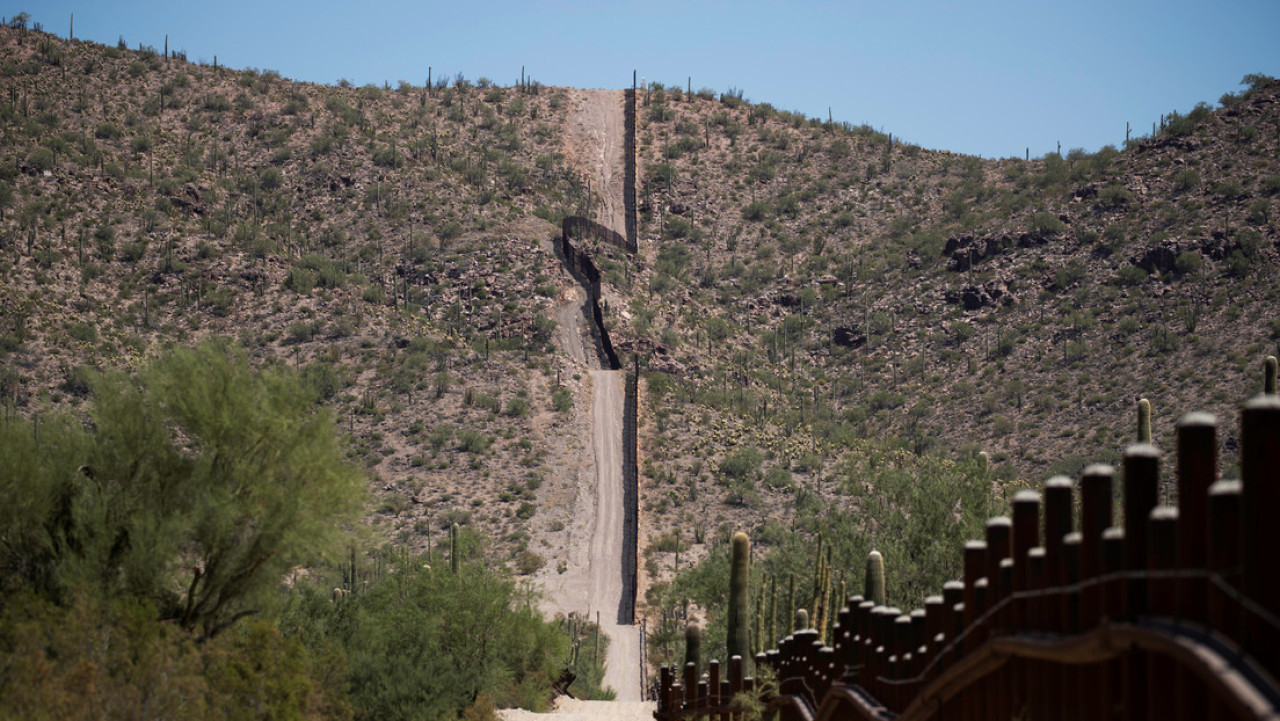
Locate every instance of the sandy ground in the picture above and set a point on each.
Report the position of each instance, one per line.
(595, 145)
(569, 709)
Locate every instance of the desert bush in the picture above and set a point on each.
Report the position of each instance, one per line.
(1046, 222)
(184, 520)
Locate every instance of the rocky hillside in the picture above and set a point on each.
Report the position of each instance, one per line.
(394, 243)
(809, 298)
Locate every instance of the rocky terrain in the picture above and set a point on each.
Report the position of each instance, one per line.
(808, 295)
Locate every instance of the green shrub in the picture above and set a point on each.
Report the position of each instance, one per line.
(778, 478)
(562, 400)
(1046, 223)
(518, 408)
(472, 441)
(1188, 262)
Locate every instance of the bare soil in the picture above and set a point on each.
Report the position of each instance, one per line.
(595, 143)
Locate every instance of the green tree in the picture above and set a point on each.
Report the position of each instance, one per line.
(198, 483)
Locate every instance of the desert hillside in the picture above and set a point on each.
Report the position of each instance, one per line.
(813, 303)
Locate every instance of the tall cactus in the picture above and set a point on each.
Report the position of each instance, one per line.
(453, 548)
(818, 573)
(1269, 376)
(791, 599)
(738, 642)
(873, 587)
(758, 621)
(692, 645)
(1144, 421)
(773, 612)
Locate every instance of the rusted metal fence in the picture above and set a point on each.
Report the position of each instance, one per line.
(580, 264)
(1166, 613)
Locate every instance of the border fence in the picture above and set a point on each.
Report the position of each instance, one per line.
(1166, 613)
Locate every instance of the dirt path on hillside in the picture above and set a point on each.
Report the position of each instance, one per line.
(590, 578)
(595, 144)
(571, 325)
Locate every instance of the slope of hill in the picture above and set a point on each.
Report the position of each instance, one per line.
(811, 299)
(809, 283)
(393, 243)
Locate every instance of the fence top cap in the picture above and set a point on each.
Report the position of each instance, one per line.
(1059, 482)
(1037, 551)
(1225, 487)
(1006, 563)
(975, 545)
(1141, 450)
(1073, 538)
(1024, 496)
(1163, 513)
(999, 521)
(1094, 470)
(920, 612)
(1197, 418)
(959, 585)
(981, 583)
(1263, 402)
(1113, 533)
(933, 601)
(903, 618)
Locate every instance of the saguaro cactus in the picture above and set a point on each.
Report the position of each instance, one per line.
(1144, 421)
(1269, 376)
(873, 586)
(453, 547)
(692, 645)
(738, 642)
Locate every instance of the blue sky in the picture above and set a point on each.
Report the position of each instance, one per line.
(987, 78)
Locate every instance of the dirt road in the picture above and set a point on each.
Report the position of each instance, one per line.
(591, 579)
(595, 143)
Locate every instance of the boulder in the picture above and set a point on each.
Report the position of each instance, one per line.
(848, 336)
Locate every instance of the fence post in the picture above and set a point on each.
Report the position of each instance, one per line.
(735, 683)
(975, 568)
(1076, 700)
(999, 547)
(863, 619)
(1057, 524)
(1259, 531)
(664, 689)
(1141, 493)
(690, 685)
(713, 684)
(1095, 519)
(952, 594)
(1026, 535)
(1197, 471)
(1224, 565)
(935, 614)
